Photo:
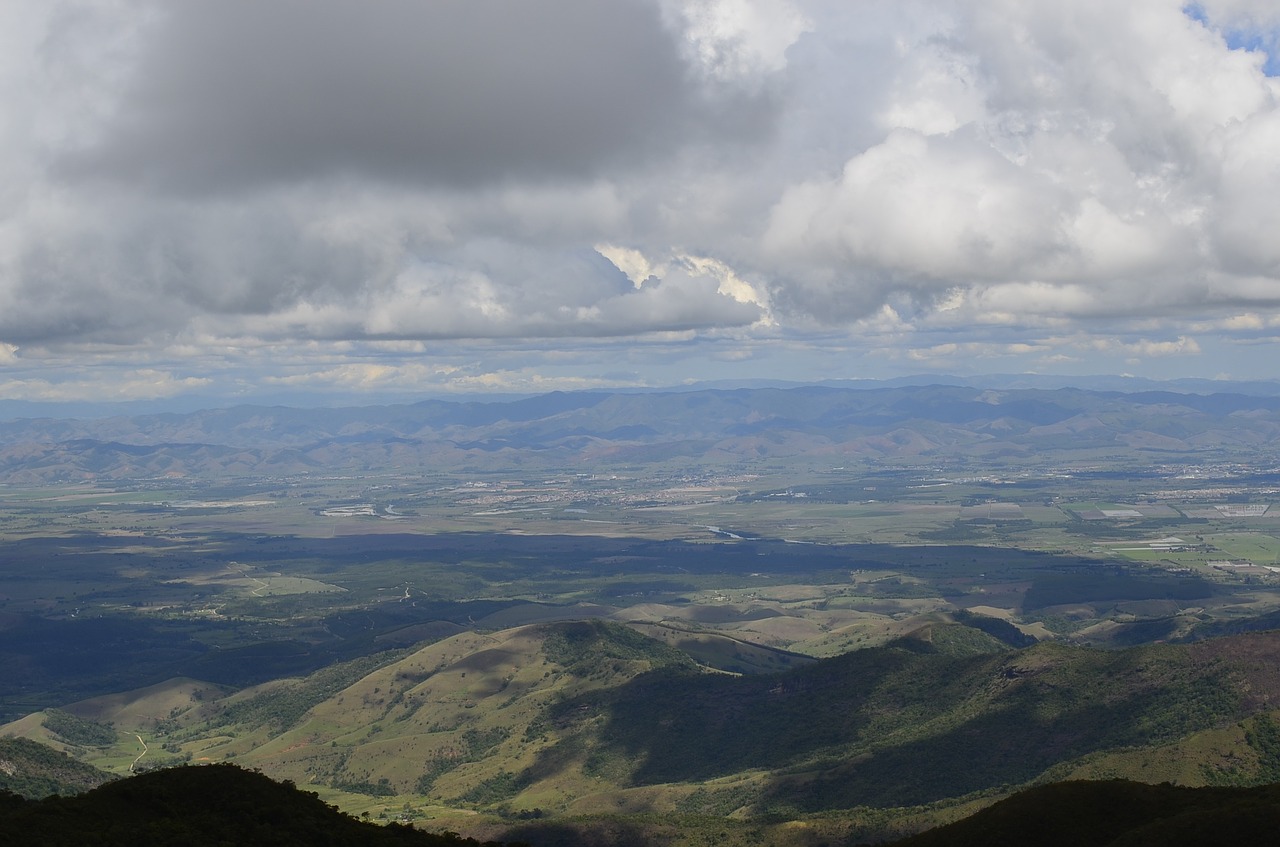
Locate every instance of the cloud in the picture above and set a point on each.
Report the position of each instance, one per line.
(973, 349)
(366, 376)
(704, 177)
(1073, 146)
(1146, 348)
(1043, 352)
(228, 96)
(142, 384)
(640, 270)
(447, 302)
(738, 41)
(942, 207)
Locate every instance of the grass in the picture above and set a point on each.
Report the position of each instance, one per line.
(1261, 548)
(531, 719)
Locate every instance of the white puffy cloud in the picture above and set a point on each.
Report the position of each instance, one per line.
(919, 206)
(1043, 161)
(737, 41)
(143, 384)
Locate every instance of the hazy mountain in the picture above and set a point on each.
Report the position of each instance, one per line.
(934, 422)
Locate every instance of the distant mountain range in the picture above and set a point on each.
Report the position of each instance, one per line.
(13, 409)
(716, 426)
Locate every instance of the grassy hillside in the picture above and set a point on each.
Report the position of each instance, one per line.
(563, 720)
(905, 724)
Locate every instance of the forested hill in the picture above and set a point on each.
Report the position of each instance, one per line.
(33, 770)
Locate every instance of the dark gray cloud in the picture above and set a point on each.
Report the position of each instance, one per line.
(90, 277)
(233, 93)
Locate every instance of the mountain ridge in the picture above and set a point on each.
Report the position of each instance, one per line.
(941, 422)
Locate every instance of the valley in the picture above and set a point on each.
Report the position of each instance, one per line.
(777, 638)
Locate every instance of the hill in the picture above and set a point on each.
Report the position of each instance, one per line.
(33, 770)
(214, 805)
(911, 724)
(579, 719)
(1119, 813)
(224, 804)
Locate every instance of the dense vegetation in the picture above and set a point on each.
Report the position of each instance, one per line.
(284, 705)
(585, 648)
(32, 770)
(78, 731)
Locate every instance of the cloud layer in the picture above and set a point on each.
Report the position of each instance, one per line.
(630, 192)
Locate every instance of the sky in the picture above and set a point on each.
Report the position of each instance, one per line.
(371, 199)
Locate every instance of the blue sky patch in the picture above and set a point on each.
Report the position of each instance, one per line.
(1251, 40)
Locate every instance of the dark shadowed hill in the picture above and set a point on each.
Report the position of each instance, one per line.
(1117, 813)
(211, 805)
(920, 720)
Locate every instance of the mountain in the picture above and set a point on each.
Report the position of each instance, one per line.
(580, 719)
(952, 422)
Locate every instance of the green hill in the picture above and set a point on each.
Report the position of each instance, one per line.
(594, 720)
(906, 724)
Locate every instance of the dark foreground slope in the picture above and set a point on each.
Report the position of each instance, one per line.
(223, 804)
(1110, 813)
(211, 805)
(1117, 813)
